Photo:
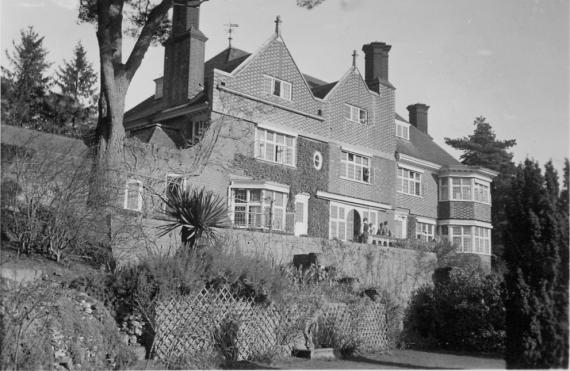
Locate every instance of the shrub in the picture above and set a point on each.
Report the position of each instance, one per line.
(464, 312)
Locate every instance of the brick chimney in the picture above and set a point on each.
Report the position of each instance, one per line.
(418, 116)
(184, 54)
(376, 64)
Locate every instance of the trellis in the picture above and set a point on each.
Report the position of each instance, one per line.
(185, 325)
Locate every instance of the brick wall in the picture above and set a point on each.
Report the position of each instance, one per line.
(464, 210)
(426, 204)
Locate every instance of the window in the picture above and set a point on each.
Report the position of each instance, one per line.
(259, 208)
(277, 87)
(482, 240)
(464, 189)
(133, 195)
(425, 231)
(403, 130)
(196, 131)
(409, 182)
(318, 160)
(356, 114)
(401, 226)
(355, 167)
(481, 192)
(275, 147)
(461, 237)
(338, 222)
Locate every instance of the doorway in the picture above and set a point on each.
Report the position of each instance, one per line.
(353, 226)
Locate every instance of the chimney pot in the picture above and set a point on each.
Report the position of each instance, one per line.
(418, 116)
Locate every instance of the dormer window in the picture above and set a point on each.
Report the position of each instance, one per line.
(277, 87)
(356, 114)
(403, 130)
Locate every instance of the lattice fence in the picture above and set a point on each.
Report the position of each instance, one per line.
(185, 325)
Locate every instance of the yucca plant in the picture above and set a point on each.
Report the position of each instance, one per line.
(196, 212)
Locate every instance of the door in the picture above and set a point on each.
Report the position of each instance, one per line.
(301, 214)
(353, 225)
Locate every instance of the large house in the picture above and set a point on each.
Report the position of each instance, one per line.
(299, 155)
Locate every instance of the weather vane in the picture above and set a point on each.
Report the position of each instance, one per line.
(230, 30)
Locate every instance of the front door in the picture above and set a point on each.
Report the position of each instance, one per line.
(301, 213)
(353, 226)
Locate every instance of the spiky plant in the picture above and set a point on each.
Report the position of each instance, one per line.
(196, 212)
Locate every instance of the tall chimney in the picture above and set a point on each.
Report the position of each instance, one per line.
(184, 54)
(376, 63)
(418, 116)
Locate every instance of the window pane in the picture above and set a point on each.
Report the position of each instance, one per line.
(239, 215)
(342, 230)
(277, 88)
(240, 196)
(334, 212)
(255, 195)
(341, 212)
(255, 216)
(334, 232)
(280, 138)
(278, 199)
(270, 152)
(286, 90)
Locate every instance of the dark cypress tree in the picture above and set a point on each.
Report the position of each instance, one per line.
(26, 80)
(535, 325)
(482, 148)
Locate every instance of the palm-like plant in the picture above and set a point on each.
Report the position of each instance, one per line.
(196, 212)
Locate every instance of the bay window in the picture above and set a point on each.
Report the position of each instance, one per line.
(259, 208)
(468, 239)
(464, 189)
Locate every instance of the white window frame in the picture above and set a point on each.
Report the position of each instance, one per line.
(263, 141)
(139, 196)
(279, 88)
(425, 231)
(482, 240)
(265, 208)
(479, 190)
(403, 130)
(409, 182)
(357, 114)
(347, 164)
(482, 192)
(401, 218)
(337, 221)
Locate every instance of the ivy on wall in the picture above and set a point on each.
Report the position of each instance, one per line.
(304, 178)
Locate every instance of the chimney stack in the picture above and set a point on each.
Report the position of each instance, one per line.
(376, 63)
(184, 54)
(418, 116)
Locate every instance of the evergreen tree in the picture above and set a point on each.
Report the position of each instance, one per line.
(26, 80)
(537, 297)
(482, 148)
(77, 78)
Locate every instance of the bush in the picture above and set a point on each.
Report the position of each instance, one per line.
(464, 312)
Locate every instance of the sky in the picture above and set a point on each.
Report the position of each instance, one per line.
(505, 60)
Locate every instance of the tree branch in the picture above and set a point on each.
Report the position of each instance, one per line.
(145, 38)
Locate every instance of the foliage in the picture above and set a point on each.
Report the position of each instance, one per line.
(482, 148)
(225, 337)
(536, 254)
(464, 312)
(45, 325)
(77, 77)
(44, 205)
(196, 212)
(25, 83)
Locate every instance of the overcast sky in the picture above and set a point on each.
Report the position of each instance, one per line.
(506, 60)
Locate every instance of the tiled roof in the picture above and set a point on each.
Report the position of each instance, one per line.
(226, 60)
(313, 81)
(423, 147)
(323, 90)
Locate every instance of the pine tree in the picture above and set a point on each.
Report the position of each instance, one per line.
(536, 301)
(483, 149)
(77, 78)
(26, 79)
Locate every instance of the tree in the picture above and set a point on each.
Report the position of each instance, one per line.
(26, 81)
(148, 22)
(482, 148)
(77, 77)
(537, 292)
(76, 80)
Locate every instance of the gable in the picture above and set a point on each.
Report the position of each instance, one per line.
(274, 60)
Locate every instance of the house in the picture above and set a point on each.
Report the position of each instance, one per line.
(298, 155)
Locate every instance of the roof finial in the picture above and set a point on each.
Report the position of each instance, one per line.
(354, 55)
(230, 30)
(278, 21)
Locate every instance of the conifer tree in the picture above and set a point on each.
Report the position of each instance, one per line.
(482, 148)
(77, 77)
(537, 297)
(25, 79)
